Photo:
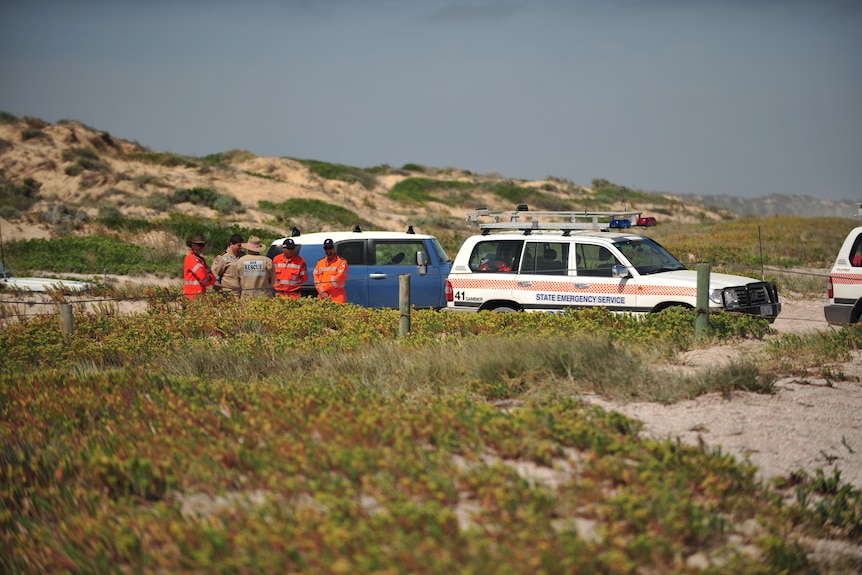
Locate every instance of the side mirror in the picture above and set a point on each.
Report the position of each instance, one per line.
(620, 272)
(422, 262)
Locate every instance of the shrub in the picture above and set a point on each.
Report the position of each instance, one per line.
(158, 202)
(226, 204)
(74, 170)
(222, 203)
(30, 133)
(338, 216)
(340, 172)
(19, 197)
(114, 220)
(381, 169)
(167, 159)
(36, 123)
(422, 190)
(64, 219)
(84, 159)
(7, 118)
(229, 157)
(79, 254)
(108, 212)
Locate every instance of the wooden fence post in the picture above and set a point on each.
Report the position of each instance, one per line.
(701, 320)
(404, 304)
(67, 322)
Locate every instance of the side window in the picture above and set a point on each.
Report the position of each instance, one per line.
(531, 258)
(856, 252)
(397, 253)
(352, 251)
(273, 251)
(496, 256)
(546, 258)
(594, 260)
(552, 258)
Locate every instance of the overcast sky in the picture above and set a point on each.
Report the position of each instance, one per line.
(743, 97)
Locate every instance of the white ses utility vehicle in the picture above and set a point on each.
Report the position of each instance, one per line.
(845, 282)
(522, 261)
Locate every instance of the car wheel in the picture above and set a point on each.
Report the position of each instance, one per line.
(505, 308)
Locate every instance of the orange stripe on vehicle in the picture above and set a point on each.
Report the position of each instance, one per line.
(482, 284)
(571, 287)
(846, 279)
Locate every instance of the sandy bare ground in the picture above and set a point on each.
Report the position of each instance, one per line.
(810, 423)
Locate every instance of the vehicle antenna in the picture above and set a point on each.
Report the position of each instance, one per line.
(760, 239)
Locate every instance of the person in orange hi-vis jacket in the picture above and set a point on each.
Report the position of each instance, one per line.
(291, 271)
(330, 275)
(196, 272)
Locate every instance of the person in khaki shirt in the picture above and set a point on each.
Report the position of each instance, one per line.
(256, 271)
(225, 267)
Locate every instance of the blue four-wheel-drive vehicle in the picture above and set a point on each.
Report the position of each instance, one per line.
(376, 259)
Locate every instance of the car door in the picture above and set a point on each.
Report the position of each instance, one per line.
(544, 281)
(388, 260)
(595, 283)
(355, 252)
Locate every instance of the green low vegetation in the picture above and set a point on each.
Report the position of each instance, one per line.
(228, 158)
(16, 198)
(276, 436)
(423, 190)
(82, 160)
(815, 240)
(223, 203)
(341, 172)
(167, 159)
(116, 251)
(328, 214)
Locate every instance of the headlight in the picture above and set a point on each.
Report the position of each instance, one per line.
(731, 299)
(715, 296)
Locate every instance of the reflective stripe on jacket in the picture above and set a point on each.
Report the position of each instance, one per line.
(331, 277)
(196, 275)
(290, 273)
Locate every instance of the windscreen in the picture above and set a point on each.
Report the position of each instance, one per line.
(647, 256)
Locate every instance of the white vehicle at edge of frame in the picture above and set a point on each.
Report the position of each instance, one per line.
(8, 281)
(845, 281)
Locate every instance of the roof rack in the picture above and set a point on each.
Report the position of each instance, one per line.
(526, 220)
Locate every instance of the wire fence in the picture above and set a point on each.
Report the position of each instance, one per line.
(38, 303)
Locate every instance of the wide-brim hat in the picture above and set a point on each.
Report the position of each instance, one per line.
(199, 239)
(254, 245)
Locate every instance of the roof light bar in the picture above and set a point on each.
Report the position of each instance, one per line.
(524, 219)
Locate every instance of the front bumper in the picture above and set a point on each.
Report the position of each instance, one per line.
(760, 299)
(766, 311)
